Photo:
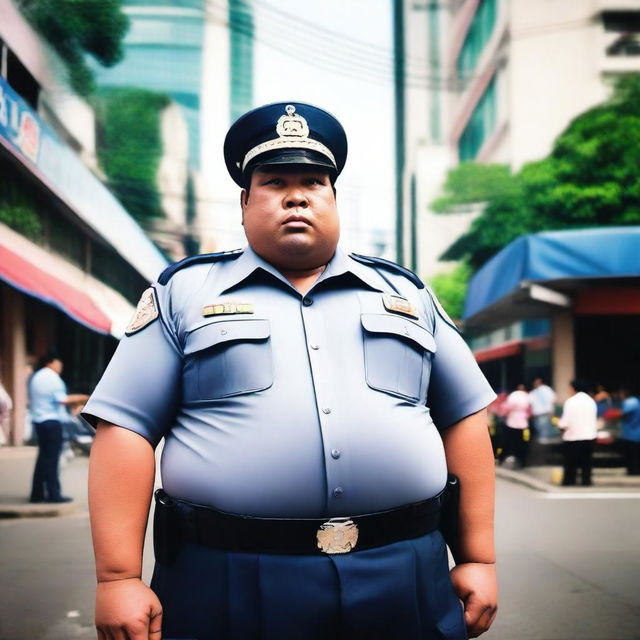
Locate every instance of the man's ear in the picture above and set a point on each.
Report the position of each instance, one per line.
(244, 197)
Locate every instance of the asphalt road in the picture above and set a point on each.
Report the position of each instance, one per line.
(569, 568)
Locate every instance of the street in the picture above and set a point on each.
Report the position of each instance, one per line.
(569, 568)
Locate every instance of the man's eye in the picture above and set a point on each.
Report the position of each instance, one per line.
(276, 181)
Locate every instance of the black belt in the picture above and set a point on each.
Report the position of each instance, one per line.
(178, 521)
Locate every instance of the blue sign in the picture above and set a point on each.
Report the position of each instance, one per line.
(19, 125)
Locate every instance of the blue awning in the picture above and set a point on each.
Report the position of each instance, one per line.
(555, 255)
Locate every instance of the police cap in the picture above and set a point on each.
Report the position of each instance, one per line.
(284, 133)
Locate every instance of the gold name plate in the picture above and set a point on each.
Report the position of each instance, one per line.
(226, 308)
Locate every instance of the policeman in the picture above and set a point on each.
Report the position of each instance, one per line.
(310, 402)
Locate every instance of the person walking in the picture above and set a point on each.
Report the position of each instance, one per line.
(542, 398)
(311, 403)
(630, 435)
(517, 408)
(579, 429)
(48, 402)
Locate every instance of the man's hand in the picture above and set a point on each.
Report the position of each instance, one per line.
(127, 610)
(477, 586)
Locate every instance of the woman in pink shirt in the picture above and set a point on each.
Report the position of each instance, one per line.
(517, 409)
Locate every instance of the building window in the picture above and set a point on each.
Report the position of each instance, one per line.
(481, 124)
(478, 35)
(624, 28)
(17, 75)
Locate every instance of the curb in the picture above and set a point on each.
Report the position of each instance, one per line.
(518, 477)
(28, 510)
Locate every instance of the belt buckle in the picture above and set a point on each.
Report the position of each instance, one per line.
(337, 535)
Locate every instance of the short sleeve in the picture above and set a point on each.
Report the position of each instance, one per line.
(140, 389)
(457, 387)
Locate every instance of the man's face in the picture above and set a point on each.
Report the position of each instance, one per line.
(290, 216)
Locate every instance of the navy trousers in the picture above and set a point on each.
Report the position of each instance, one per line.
(46, 482)
(398, 592)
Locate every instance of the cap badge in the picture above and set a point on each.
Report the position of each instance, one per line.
(226, 308)
(146, 312)
(293, 133)
(292, 125)
(398, 304)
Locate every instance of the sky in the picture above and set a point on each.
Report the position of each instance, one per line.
(336, 54)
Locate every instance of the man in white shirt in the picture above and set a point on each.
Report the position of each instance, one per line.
(542, 398)
(579, 427)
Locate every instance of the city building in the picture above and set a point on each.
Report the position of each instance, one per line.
(200, 53)
(73, 262)
(496, 81)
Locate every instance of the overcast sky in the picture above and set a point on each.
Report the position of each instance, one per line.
(310, 51)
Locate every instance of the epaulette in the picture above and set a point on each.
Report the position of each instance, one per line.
(392, 266)
(169, 272)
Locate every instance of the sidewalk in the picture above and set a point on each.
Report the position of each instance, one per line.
(16, 470)
(549, 478)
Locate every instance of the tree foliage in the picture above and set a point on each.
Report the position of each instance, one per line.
(130, 146)
(451, 288)
(590, 179)
(78, 27)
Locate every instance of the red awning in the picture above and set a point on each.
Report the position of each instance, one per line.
(511, 348)
(33, 281)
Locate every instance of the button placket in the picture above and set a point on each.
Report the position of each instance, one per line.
(323, 390)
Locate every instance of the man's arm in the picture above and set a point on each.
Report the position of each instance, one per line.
(75, 398)
(121, 475)
(470, 457)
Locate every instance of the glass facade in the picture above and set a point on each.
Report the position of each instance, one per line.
(481, 125)
(163, 52)
(478, 35)
(241, 71)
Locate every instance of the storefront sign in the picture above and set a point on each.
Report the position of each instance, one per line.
(19, 125)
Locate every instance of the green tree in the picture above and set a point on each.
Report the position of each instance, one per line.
(590, 179)
(451, 288)
(78, 27)
(130, 146)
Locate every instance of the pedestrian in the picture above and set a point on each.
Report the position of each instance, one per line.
(310, 402)
(631, 431)
(6, 406)
(579, 429)
(542, 398)
(517, 408)
(48, 402)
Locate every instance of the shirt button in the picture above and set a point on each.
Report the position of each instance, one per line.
(326, 410)
(335, 453)
(315, 347)
(337, 492)
(307, 302)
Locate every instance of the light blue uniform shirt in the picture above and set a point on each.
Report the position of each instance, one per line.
(326, 404)
(47, 392)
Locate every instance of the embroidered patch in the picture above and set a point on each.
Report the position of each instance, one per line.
(146, 312)
(226, 308)
(398, 304)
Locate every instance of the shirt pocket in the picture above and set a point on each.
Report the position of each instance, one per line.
(227, 358)
(397, 355)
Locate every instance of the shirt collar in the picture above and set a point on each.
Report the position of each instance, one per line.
(249, 262)
(342, 263)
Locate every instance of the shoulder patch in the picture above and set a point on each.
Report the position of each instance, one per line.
(172, 269)
(146, 312)
(391, 266)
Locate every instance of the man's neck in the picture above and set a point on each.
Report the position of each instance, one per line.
(303, 279)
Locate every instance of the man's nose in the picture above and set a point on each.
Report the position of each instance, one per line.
(296, 198)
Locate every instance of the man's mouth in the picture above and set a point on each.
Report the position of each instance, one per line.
(296, 222)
